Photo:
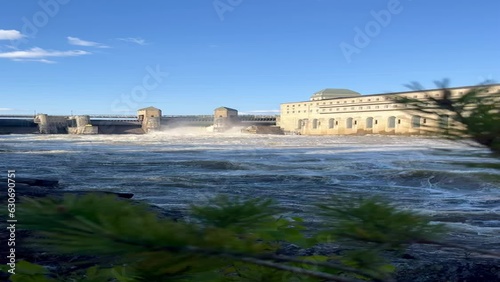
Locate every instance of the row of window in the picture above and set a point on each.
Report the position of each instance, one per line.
(416, 122)
(387, 98)
(352, 108)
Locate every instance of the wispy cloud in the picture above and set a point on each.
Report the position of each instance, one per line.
(10, 34)
(80, 42)
(136, 40)
(5, 109)
(40, 55)
(45, 61)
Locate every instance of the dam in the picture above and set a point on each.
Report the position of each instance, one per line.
(147, 120)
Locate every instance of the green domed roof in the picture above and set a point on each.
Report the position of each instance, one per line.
(333, 93)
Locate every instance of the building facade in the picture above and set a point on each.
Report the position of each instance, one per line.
(225, 118)
(150, 118)
(345, 112)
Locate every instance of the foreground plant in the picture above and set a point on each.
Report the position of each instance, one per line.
(227, 239)
(476, 113)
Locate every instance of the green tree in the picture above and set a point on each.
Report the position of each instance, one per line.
(476, 113)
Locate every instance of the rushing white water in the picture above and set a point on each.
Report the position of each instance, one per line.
(175, 169)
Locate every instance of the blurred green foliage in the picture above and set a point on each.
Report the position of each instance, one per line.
(476, 113)
(227, 239)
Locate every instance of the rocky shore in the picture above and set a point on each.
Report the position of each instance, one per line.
(420, 263)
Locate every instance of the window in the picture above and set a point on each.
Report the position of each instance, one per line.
(315, 123)
(331, 123)
(444, 121)
(369, 122)
(415, 122)
(349, 123)
(299, 124)
(360, 108)
(391, 122)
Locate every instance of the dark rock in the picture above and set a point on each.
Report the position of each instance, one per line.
(34, 191)
(51, 183)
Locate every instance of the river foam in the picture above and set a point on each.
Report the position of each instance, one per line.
(184, 167)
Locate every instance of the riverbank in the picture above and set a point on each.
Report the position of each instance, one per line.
(419, 263)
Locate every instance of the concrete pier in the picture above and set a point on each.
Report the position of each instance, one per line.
(225, 118)
(43, 123)
(150, 118)
(82, 125)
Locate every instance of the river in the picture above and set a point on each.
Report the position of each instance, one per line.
(175, 169)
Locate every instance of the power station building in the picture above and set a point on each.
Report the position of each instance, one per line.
(344, 112)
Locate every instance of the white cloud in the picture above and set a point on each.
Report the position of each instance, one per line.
(10, 34)
(40, 55)
(80, 42)
(136, 40)
(5, 109)
(35, 60)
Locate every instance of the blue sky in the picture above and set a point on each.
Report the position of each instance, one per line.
(191, 56)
